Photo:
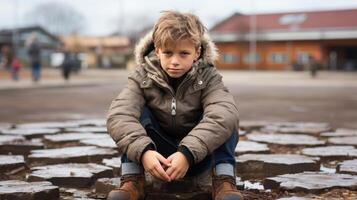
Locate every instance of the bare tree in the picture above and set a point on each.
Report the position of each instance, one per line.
(58, 18)
(132, 24)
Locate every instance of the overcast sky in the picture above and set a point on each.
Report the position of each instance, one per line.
(102, 15)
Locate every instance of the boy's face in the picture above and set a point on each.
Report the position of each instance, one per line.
(177, 58)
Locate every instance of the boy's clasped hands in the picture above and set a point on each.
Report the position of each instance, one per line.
(167, 169)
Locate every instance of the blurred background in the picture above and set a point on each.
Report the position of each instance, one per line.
(298, 57)
(255, 34)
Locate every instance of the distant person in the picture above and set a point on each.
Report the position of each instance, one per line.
(67, 65)
(34, 52)
(15, 68)
(313, 66)
(6, 57)
(175, 118)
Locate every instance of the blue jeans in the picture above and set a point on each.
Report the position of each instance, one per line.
(167, 145)
(36, 71)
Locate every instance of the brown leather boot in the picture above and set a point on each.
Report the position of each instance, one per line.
(224, 188)
(131, 188)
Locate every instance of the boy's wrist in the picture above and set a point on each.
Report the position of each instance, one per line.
(184, 150)
(147, 148)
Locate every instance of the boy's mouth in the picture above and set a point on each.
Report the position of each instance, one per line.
(173, 70)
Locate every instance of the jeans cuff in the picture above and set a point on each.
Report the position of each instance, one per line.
(130, 169)
(224, 169)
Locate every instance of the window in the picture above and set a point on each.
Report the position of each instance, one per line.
(229, 58)
(303, 57)
(251, 58)
(291, 19)
(278, 58)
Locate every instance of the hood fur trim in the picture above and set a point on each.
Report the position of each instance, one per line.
(209, 53)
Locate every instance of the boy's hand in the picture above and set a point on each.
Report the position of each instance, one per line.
(179, 166)
(151, 161)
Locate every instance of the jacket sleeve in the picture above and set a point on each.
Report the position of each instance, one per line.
(220, 119)
(123, 121)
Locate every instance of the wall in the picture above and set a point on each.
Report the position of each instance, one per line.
(292, 52)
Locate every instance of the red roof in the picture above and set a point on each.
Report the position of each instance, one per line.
(335, 19)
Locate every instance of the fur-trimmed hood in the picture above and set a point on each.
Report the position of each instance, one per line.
(145, 46)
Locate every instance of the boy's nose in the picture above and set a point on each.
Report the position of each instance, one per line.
(175, 62)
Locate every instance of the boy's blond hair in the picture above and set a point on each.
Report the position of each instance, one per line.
(173, 26)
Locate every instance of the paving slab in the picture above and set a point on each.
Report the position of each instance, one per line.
(311, 182)
(91, 122)
(196, 195)
(267, 165)
(196, 185)
(188, 188)
(105, 185)
(331, 152)
(48, 125)
(253, 185)
(20, 146)
(30, 133)
(5, 126)
(14, 189)
(202, 181)
(327, 169)
(73, 137)
(114, 163)
(87, 129)
(105, 142)
(343, 141)
(10, 138)
(82, 154)
(245, 147)
(298, 128)
(242, 132)
(347, 167)
(285, 139)
(340, 132)
(75, 193)
(239, 183)
(295, 198)
(71, 174)
(252, 125)
(10, 162)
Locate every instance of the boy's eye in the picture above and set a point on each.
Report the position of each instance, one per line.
(167, 52)
(184, 53)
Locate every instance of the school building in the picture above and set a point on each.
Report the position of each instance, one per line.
(288, 41)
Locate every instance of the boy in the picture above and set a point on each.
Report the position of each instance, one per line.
(175, 118)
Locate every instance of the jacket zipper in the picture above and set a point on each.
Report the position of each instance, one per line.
(173, 112)
(173, 106)
(173, 100)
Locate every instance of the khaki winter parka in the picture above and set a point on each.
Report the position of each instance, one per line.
(201, 113)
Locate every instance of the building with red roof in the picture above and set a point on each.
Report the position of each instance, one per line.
(280, 41)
